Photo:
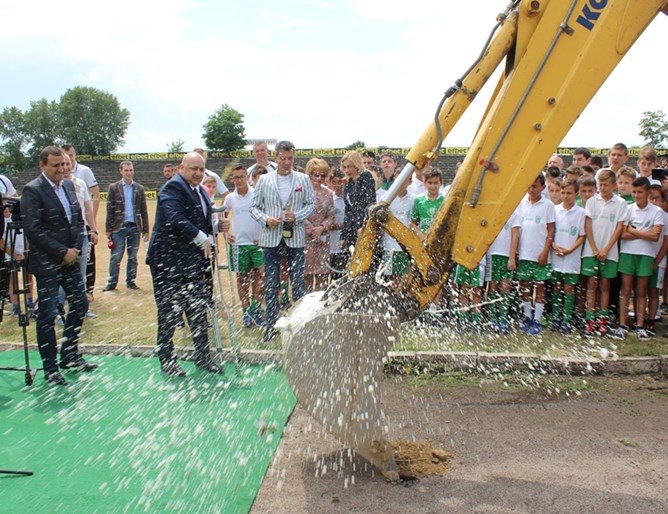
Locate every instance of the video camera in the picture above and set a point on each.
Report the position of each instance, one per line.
(13, 203)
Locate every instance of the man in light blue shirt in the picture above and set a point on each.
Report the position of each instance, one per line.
(127, 218)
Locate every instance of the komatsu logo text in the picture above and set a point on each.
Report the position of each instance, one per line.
(590, 13)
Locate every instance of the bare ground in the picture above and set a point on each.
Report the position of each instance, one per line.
(515, 449)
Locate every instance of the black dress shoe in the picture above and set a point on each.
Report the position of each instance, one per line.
(133, 286)
(172, 369)
(210, 367)
(78, 365)
(55, 378)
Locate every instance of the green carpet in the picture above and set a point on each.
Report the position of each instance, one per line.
(125, 438)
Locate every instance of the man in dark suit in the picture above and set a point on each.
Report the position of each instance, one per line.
(127, 219)
(54, 227)
(179, 257)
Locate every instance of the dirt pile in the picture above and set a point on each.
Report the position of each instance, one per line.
(420, 459)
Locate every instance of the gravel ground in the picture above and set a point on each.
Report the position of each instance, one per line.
(515, 449)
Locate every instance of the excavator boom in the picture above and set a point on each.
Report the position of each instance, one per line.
(557, 55)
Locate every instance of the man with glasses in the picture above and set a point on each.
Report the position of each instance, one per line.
(282, 202)
(245, 254)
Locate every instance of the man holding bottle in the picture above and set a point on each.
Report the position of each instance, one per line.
(282, 202)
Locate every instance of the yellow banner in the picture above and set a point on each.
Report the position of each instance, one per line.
(308, 152)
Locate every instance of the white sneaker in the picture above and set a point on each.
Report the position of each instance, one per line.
(641, 333)
(619, 333)
(91, 315)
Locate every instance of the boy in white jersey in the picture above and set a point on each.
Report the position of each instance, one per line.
(337, 258)
(569, 235)
(245, 255)
(500, 269)
(395, 260)
(636, 256)
(657, 197)
(605, 216)
(533, 268)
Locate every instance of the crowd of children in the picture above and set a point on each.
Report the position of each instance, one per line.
(586, 245)
(588, 242)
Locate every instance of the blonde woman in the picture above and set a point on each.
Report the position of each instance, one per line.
(359, 193)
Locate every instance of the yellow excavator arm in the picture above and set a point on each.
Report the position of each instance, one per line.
(557, 55)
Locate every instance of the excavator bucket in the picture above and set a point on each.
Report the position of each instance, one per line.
(334, 361)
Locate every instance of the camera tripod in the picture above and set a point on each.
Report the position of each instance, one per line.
(10, 271)
(14, 276)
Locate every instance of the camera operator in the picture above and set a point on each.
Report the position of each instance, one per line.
(54, 228)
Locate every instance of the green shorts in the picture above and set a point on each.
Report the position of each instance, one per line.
(467, 277)
(500, 269)
(569, 279)
(400, 262)
(592, 267)
(245, 258)
(530, 271)
(636, 265)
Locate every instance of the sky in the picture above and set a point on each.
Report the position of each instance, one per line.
(321, 73)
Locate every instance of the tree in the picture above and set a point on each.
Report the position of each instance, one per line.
(654, 128)
(355, 145)
(176, 146)
(225, 131)
(92, 120)
(13, 139)
(41, 126)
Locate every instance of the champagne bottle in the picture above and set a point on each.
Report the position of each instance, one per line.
(288, 226)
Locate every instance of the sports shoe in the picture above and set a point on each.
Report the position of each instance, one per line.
(91, 315)
(535, 328)
(602, 327)
(590, 328)
(526, 325)
(502, 327)
(641, 333)
(619, 333)
(255, 316)
(248, 322)
(664, 308)
(555, 326)
(566, 329)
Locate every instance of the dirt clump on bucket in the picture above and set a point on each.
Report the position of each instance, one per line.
(417, 459)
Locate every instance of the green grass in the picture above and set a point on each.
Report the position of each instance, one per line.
(420, 337)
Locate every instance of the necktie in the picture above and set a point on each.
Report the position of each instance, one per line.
(200, 200)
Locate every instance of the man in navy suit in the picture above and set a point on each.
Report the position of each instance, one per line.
(179, 258)
(54, 227)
